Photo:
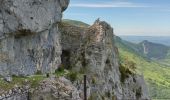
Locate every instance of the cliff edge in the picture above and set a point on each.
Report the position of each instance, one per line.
(34, 40)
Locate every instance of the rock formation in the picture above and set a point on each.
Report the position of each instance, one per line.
(32, 38)
(29, 36)
(92, 51)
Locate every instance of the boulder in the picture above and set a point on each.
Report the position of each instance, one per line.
(8, 79)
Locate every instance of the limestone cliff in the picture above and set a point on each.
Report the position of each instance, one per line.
(33, 39)
(29, 36)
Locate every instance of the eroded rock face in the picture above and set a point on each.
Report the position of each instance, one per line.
(29, 36)
(31, 15)
(92, 51)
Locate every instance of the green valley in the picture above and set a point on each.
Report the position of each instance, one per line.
(157, 75)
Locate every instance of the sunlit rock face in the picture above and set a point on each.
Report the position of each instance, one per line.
(29, 36)
(33, 39)
(92, 51)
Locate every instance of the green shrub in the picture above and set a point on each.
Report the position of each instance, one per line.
(94, 80)
(60, 69)
(125, 72)
(38, 72)
(47, 75)
(73, 76)
(127, 68)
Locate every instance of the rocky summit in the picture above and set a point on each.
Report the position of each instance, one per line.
(34, 40)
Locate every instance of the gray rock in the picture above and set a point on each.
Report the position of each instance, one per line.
(1, 97)
(92, 51)
(8, 78)
(10, 91)
(32, 40)
(29, 36)
(58, 89)
(31, 15)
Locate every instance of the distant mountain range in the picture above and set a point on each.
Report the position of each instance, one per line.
(154, 50)
(150, 50)
(155, 39)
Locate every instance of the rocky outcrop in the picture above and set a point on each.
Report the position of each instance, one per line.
(29, 36)
(92, 51)
(30, 42)
(55, 89)
(135, 88)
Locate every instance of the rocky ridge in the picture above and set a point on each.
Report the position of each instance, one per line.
(33, 39)
(92, 51)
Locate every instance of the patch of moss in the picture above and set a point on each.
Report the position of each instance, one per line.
(35, 80)
(20, 81)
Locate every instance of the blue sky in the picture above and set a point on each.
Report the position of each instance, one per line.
(127, 17)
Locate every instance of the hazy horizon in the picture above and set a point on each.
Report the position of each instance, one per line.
(154, 39)
(127, 17)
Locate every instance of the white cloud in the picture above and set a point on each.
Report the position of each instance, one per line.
(109, 5)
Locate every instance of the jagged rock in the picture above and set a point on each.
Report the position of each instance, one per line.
(30, 42)
(92, 51)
